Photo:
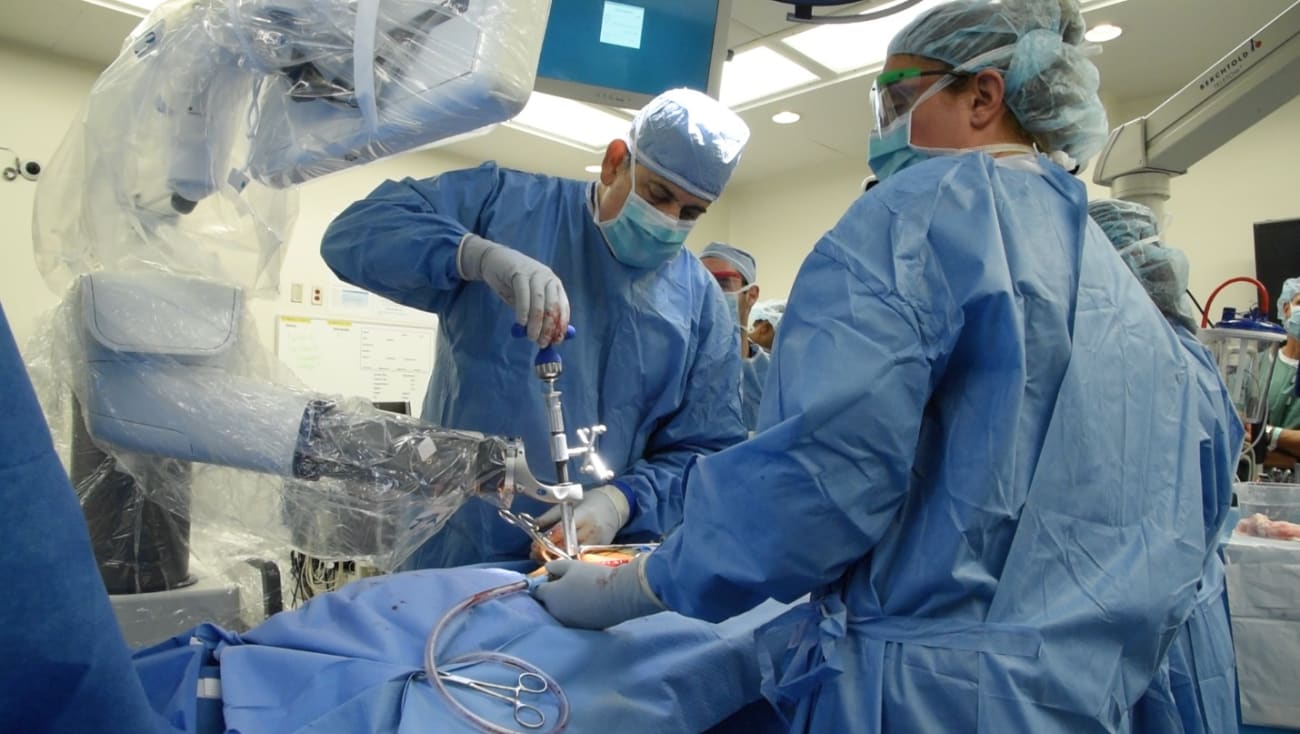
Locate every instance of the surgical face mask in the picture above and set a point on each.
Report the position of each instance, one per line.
(641, 236)
(891, 148)
(1293, 323)
(733, 303)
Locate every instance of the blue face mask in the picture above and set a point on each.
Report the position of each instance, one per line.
(641, 236)
(893, 151)
(1293, 323)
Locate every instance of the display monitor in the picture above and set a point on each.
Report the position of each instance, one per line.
(1277, 256)
(624, 53)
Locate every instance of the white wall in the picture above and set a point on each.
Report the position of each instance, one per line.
(42, 94)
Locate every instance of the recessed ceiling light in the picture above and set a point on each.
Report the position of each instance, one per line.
(1102, 33)
(566, 121)
(594, 168)
(785, 117)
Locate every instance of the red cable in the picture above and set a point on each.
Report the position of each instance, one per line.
(1263, 297)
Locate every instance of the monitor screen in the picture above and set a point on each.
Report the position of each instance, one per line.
(624, 53)
(1277, 256)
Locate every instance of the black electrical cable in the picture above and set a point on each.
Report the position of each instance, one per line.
(1197, 303)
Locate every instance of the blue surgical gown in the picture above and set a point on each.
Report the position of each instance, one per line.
(1197, 692)
(985, 487)
(66, 666)
(753, 375)
(656, 359)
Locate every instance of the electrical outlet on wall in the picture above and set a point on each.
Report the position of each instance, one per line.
(317, 295)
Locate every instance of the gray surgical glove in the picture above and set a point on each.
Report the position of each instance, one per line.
(532, 289)
(602, 512)
(594, 597)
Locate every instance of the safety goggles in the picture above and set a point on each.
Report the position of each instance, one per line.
(896, 92)
(731, 282)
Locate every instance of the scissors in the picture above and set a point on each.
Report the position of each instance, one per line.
(526, 715)
(526, 523)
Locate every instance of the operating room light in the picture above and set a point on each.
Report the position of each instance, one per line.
(760, 72)
(843, 48)
(570, 122)
(1102, 33)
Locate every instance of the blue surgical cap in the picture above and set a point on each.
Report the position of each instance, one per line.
(1289, 290)
(741, 260)
(1051, 86)
(769, 311)
(1124, 222)
(1163, 271)
(690, 139)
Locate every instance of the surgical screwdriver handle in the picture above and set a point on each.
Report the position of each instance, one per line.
(548, 355)
(520, 331)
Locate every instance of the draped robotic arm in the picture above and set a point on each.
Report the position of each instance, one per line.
(168, 205)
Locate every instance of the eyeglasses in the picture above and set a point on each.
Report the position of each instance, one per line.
(729, 280)
(893, 98)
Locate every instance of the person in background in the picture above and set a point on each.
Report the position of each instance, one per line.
(1283, 403)
(763, 319)
(655, 355)
(736, 273)
(1196, 692)
(973, 450)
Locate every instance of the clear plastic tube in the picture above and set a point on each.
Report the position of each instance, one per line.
(510, 661)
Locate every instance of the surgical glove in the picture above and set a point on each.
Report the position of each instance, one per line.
(532, 289)
(602, 512)
(593, 597)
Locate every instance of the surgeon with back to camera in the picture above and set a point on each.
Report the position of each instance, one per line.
(988, 488)
(655, 356)
(1197, 691)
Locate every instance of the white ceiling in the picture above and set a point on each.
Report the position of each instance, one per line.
(1165, 43)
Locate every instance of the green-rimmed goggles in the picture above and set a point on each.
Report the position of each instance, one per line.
(893, 94)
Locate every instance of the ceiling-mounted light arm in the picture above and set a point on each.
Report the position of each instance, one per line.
(803, 11)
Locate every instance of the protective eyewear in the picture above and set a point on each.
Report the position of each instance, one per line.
(729, 280)
(895, 93)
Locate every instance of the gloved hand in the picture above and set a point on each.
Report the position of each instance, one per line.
(531, 288)
(602, 512)
(591, 596)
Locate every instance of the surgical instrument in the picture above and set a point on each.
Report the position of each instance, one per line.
(548, 367)
(526, 715)
(528, 524)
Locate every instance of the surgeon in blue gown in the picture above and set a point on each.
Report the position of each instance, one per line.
(656, 354)
(990, 482)
(1197, 691)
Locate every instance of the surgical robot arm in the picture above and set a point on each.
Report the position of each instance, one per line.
(233, 96)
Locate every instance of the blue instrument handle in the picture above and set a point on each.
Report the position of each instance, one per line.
(519, 331)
